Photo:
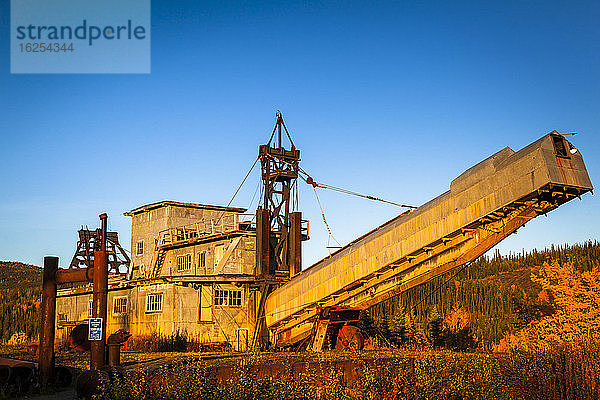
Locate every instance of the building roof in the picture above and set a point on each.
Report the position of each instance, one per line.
(165, 203)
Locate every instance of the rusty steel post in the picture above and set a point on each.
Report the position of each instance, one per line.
(47, 321)
(262, 242)
(99, 301)
(295, 248)
(114, 354)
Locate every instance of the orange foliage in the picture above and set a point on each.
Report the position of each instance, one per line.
(457, 318)
(576, 297)
(544, 296)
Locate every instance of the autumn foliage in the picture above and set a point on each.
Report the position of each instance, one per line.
(575, 296)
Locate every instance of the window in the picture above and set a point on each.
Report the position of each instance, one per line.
(62, 317)
(139, 248)
(202, 259)
(559, 146)
(221, 298)
(120, 305)
(228, 297)
(235, 297)
(184, 263)
(154, 302)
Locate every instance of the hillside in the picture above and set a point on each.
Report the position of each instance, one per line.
(25, 275)
(20, 291)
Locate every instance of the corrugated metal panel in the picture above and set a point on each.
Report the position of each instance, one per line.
(497, 182)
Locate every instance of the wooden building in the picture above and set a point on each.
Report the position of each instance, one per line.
(192, 271)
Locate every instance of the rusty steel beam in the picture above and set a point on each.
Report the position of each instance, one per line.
(47, 321)
(74, 275)
(99, 301)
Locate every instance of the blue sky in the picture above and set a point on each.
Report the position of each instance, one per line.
(390, 99)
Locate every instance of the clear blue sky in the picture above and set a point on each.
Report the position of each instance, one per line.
(390, 99)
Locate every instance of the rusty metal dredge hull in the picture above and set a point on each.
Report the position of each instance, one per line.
(484, 205)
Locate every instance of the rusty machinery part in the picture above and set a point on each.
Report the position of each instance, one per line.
(15, 380)
(277, 228)
(338, 314)
(99, 305)
(332, 322)
(119, 337)
(33, 348)
(114, 343)
(90, 241)
(50, 278)
(78, 339)
(349, 338)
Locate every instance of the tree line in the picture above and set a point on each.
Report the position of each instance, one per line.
(479, 305)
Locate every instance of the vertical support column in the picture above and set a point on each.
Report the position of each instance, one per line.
(99, 302)
(263, 234)
(260, 339)
(47, 321)
(295, 241)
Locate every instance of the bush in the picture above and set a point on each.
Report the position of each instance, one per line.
(565, 374)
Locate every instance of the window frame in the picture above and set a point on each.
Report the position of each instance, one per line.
(125, 306)
(226, 298)
(238, 299)
(221, 297)
(154, 309)
(560, 147)
(188, 258)
(139, 250)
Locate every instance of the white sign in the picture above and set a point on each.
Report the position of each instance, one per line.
(95, 331)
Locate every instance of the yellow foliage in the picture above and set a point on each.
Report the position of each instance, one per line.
(576, 298)
(18, 338)
(457, 319)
